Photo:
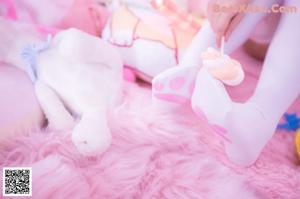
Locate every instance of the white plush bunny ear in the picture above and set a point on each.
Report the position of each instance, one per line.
(29, 54)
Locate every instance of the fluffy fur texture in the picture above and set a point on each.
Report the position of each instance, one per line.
(155, 154)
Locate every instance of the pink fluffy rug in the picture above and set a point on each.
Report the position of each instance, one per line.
(156, 154)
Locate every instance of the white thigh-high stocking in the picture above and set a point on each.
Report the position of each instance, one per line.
(210, 94)
(251, 125)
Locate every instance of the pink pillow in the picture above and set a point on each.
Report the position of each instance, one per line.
(19, 109)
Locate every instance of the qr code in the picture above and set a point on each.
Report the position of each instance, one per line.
(17, 181)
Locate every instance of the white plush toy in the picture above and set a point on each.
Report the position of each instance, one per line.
(146, 49)
(76, 75)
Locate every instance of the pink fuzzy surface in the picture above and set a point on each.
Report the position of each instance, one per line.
(156, 154)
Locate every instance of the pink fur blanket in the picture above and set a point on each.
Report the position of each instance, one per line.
(156, 154)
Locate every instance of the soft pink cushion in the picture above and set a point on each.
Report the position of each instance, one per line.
(19, 108)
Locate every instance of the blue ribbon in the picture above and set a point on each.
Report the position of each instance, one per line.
(29, 54)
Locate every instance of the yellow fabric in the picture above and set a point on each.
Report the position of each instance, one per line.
(298, 141)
